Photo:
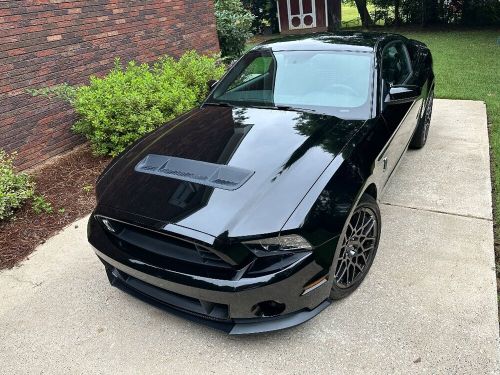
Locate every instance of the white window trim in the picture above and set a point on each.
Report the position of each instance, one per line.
(326, 13)
(301, 8)
(279, 19)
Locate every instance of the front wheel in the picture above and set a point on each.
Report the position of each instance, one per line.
(358, 248)
(420, 137)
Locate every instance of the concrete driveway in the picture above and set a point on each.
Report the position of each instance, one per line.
(427, 306)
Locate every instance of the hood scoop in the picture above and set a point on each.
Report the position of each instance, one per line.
(200, 172)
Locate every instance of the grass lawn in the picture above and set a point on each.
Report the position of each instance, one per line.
(350, 12)
(350, 15)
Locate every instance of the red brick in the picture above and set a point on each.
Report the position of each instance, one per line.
(53, 38)
(50, 42)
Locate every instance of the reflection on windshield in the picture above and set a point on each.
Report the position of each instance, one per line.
(330, 82)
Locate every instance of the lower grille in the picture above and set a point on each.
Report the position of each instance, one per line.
(205, 309)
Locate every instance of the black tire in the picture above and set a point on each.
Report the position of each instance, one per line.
(420, 137)
(352, 248)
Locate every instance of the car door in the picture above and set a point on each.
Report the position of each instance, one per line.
(401, 119)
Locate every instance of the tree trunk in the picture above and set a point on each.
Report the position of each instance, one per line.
(397, 16)
(424, 13)
(334, 14)
(435, 12)
(366, 19)
(465, 11)
(431, 12)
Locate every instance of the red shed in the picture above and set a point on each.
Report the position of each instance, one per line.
(302, 15)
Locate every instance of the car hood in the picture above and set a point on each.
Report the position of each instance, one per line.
(286, 151)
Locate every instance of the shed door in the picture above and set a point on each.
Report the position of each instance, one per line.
(301, 14)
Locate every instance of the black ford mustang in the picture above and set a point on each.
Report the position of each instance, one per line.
(256, 210)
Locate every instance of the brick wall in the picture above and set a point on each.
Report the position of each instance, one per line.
(47, 42)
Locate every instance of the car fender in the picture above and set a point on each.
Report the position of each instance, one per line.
(322, 214)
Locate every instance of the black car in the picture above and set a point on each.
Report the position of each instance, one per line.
(254, 211)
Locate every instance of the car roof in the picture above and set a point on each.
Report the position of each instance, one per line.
(338, 41)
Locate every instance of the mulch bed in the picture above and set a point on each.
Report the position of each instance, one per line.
(68, 184)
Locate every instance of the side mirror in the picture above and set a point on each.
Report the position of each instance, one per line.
(211, 84)
(403, 94)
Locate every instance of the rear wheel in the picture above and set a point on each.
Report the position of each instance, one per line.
(358, 248)
(420, 137)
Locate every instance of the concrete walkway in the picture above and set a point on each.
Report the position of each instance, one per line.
(427, 306)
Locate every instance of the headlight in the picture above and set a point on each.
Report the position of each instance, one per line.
(280, 243)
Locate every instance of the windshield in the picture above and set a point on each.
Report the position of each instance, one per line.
(330, 82)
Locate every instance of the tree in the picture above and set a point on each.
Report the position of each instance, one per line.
(334, 14)
(366, 19)
(425, 12)
(233, 24)
(433, 11)
(397, 12)
(264, 12)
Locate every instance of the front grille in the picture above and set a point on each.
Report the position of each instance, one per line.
(168, 252)
(210, 258)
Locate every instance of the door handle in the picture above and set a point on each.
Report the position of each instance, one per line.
(384, 163)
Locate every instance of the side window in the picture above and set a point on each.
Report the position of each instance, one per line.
(259, 67)
(396, 66)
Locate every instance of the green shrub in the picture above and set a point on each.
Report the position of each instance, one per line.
(233, 23)
(41, 205)
(15, 188)
(63, 91)
(131, 101)
(196, 70)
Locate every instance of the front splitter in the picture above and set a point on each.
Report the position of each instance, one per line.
(233, 326)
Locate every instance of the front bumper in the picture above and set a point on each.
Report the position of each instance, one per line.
(230, 305)
(186, 308)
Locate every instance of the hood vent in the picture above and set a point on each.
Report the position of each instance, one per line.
(200, 172)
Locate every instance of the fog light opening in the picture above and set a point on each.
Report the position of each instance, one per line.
(268, 308)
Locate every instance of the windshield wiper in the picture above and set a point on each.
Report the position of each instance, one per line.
(275, 107)
(219, 104)
(283, 108)
(290, 108)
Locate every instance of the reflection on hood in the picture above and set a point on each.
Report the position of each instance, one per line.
(286, 150)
